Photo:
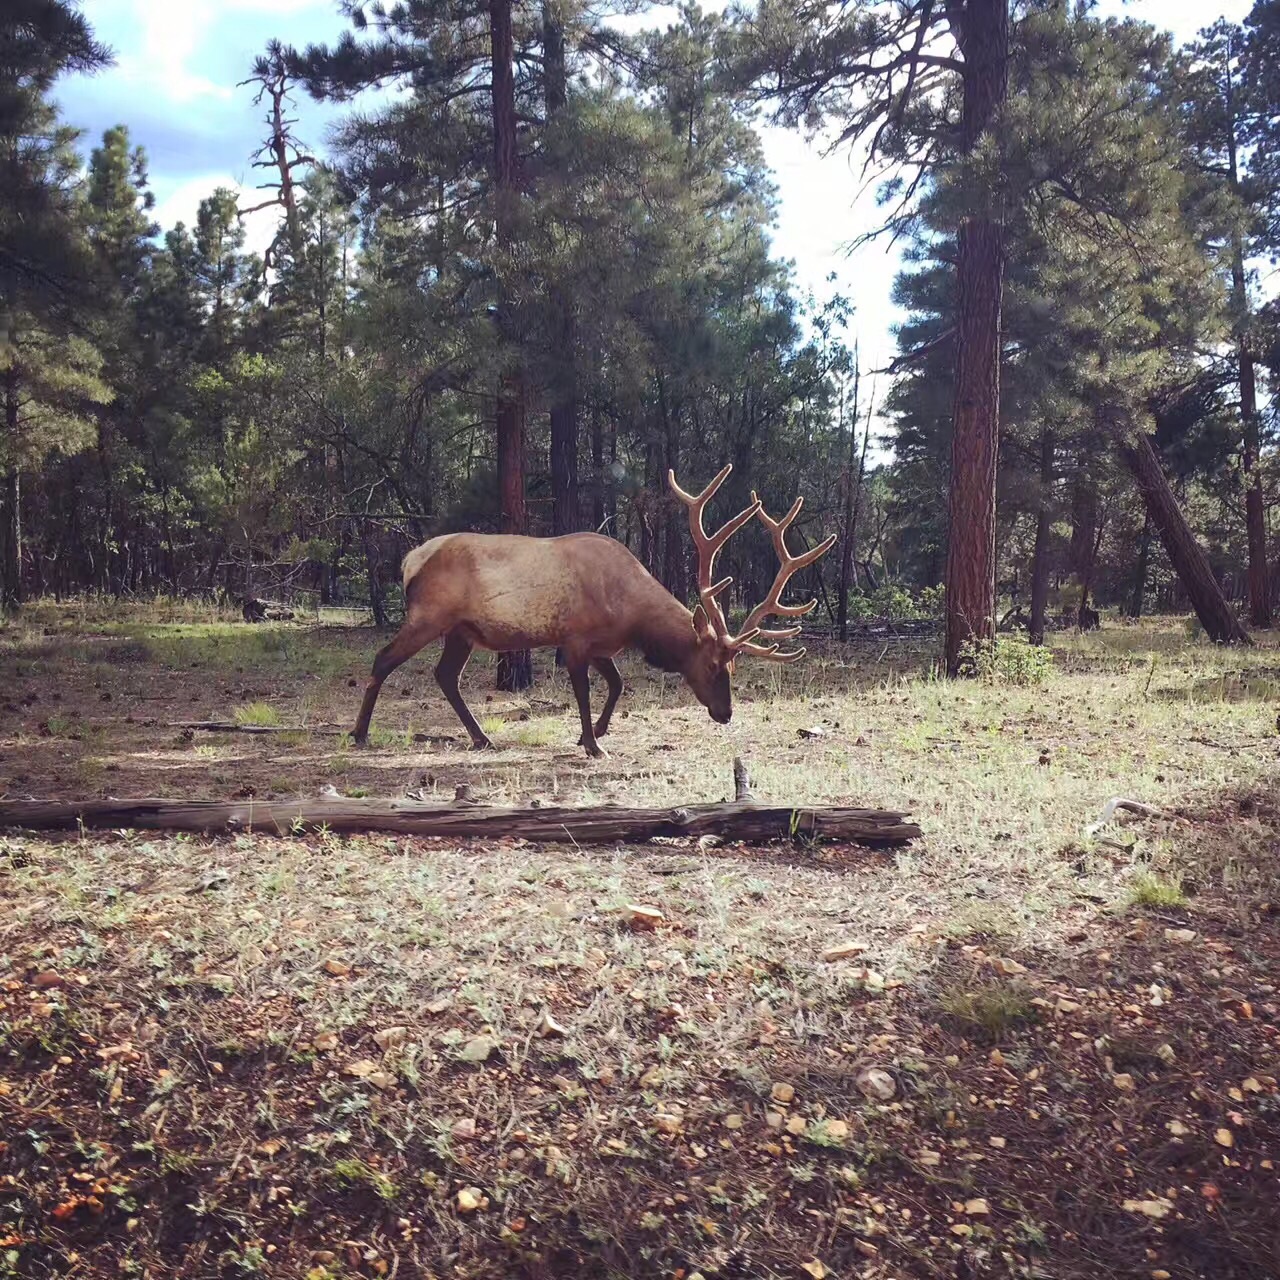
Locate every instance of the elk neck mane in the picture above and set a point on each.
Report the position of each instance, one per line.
(664, 633)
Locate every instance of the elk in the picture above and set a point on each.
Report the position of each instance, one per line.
(590, 597)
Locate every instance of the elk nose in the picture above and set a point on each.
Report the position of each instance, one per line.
(722, 717)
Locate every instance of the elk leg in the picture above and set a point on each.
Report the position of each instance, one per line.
(606, 667)
(456, 655)
(581, 682)
(408, 640)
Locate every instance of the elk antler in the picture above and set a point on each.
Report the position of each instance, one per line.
(789, 565)
(709, 547)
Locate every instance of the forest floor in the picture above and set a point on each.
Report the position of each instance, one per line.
(1055, 1054)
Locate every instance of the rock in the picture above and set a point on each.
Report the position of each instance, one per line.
(644, 918)
(796, 1125)
(325, 1041)
(977, 1207)
(1179, 935)
(1123, 1081)
(1159, 1208)
(837, 1130)
(843, 950)
(734, 1121)
(469, 1199)
(816, 1269)
(1177, 1128)
(270, 1147)
(667, 1122)
(1010, 968)
(439, 1004)
(390, 1037)
(782, 1092)
(876, 1083)
(813, 731)
(477, 1049)
(336, 969)
(361, 1068)
(464, 1129)
(548, 1026)
(1224, 1138)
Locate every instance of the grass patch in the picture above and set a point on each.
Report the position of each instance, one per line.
(256, 713)
(354, 1173)
(1151, 890)
(988, 1010)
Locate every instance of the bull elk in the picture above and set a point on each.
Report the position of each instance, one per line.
(589, 596)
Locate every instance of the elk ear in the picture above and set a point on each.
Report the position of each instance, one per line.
(702, 624)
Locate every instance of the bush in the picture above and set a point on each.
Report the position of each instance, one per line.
(1006, 660)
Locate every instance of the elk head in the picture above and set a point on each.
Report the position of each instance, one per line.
(710, 663)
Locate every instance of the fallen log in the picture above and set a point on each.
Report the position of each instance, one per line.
(741, 819)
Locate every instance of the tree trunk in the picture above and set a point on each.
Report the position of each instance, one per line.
(1255, 514)
(11, 514)
(852, 502)
(1040, 556)
(1188, 557)
(565, 515)
(982, 31)
(515, 670)
(1143, 568)
(597, 466)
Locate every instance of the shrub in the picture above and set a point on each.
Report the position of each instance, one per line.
(1007, 660)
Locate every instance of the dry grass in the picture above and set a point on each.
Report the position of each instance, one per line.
(205, 1067)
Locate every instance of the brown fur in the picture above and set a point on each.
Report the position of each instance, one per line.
(583, 593)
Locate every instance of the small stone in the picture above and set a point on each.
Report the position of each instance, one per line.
(666, 1122)
(362, 1068)
(1010, 968)
(325, 1041)
(1123, 1081)
(1179, 935)
(336, 969)
(464, 1129)
(1160, 1208)
(837, 1130)
(1224, 1138)
(733, 1121)
(843, 950)
(548, 1026)
(439, 1005)
(998, 1143)
(390, 1037)
(1177, 1128)
(773, 1119)
(469, 1199)
(644, 918)
(796, 1125)
(876, 1083)
(270, 1147)
(977, 1207)
(478, 1049)
(782, 1092)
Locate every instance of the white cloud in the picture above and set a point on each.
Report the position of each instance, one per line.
(183, 202)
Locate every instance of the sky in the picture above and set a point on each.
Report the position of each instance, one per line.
(175, 83)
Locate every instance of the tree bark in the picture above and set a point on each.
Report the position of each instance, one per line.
(1255, 514)
(1142, 569)
(734, 820)
(1188, 557)
(565, 514)
(982, 31)
(852, 503)
(11, 517)
(515, 670)
(1040, 556)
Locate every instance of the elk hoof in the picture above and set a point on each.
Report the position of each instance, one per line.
(596, 751)
(482, 744)
(359, 739)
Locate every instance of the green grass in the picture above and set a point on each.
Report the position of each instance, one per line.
(256, 713)
(1150, 890)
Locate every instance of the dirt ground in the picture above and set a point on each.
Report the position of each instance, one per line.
(1041, 1047)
